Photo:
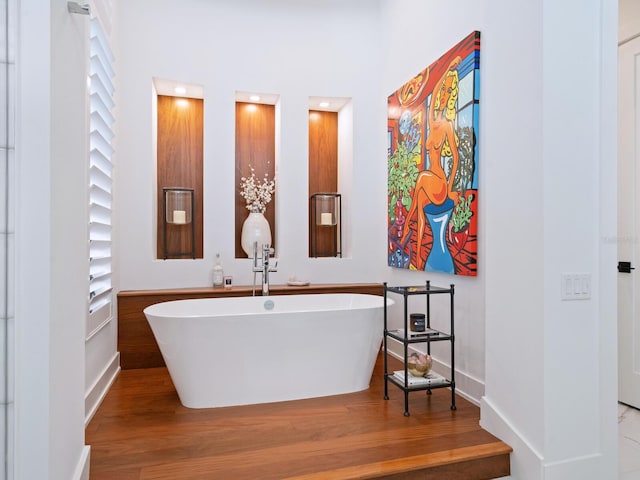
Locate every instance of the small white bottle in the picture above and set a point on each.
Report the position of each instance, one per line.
(218, 273)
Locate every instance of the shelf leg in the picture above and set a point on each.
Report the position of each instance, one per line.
(406, 403)
(386, 375)
(384, 344)
(453, 396)
(386, 390)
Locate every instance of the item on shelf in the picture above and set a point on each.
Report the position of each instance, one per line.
(218, 273)
(255, 229)
(325, 225)
(178, 223)
(296, 282)
(432, 378)
(416, 322)
(418, 364)
(426, 333)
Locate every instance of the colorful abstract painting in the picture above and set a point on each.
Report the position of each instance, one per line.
(432, 157)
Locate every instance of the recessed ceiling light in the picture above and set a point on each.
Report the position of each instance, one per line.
(254, 98)
(180, 90)
(323, 104)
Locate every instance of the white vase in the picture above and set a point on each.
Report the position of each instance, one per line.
(255, 229)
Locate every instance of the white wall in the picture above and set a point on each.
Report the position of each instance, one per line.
(532, 343)
(544, 173)
(293, 49)
(296, 50)
(580, 165)
(51, 248)
(549, 373)
(404, 56)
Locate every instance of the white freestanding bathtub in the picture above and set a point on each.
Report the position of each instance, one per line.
(245, 350)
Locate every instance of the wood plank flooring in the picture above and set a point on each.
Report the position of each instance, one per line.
(142, 432)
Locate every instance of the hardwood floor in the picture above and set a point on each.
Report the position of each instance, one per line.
(142, 432)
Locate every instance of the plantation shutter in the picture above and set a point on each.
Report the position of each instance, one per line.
(100, 181)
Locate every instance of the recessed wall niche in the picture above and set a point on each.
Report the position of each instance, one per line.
(330, 140)
(255, 148)
(179, 111)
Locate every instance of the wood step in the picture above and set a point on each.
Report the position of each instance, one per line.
(142, 432)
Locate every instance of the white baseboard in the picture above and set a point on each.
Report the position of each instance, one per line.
(82, 469)
(96, 393)
(526, 462)
(469, 388)
(584, 467)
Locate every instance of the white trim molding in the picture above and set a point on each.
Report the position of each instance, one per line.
(96, 393)
(82, 469)
(526, 461)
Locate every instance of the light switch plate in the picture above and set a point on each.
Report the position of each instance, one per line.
(575, 286)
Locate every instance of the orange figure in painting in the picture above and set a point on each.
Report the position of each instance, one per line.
(432, 186)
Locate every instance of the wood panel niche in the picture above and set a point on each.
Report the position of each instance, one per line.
(255, 148)
(179, 161)
(323, 174)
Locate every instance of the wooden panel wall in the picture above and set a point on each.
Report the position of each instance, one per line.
(323, 172)
(255, 147)
(180, 159)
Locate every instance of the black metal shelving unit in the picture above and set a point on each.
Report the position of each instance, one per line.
(431, 335)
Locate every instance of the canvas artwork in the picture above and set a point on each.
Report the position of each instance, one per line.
(432, 157)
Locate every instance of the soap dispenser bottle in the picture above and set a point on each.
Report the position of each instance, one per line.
(218, 274)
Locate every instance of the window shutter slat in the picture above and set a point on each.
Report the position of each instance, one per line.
(99, 196)
(100, 179)
(99, 161)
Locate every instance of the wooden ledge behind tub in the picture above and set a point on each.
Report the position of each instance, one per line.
(136, 343)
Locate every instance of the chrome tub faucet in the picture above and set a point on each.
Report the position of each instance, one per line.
(264, 267)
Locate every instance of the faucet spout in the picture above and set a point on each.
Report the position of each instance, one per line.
(266, 268)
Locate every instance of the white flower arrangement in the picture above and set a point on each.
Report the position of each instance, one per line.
(257, 194)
